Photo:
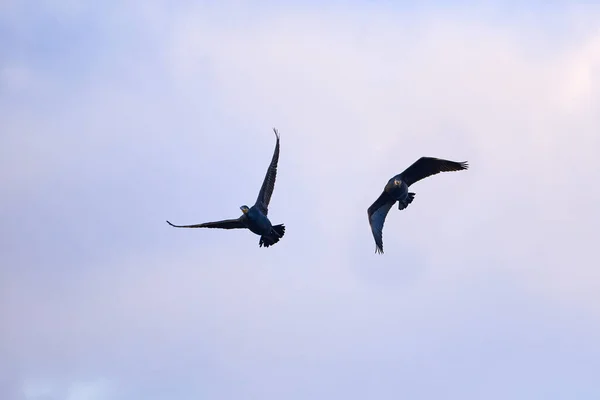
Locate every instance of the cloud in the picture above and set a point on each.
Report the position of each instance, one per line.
(363, 95)
(488, 274)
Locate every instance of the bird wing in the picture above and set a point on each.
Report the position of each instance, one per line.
(225, 224)
(264, 196)
(427, 166)
(377, 213)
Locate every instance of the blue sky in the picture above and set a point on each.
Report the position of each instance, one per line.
(115, 117)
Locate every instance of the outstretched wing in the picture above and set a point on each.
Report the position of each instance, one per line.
(225, 224)
(377, 213)
(264, 196)
(427, 166)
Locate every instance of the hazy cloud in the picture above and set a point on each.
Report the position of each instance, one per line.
(119, 117)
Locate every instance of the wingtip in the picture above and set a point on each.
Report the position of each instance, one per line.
(464, 164)
(276, 132)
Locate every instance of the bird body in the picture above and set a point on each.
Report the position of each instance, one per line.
(396, 190)
(254, 218)
(257, 222)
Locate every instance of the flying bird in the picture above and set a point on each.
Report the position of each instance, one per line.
(255, 217)
(397, 190)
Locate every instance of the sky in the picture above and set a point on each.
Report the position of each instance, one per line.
(115, 116)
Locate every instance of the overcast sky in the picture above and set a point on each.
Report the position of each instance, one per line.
(115, 116)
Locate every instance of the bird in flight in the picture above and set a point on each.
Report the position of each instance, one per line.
(255, 217)
(397, 190)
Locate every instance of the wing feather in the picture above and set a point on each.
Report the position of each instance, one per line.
(224, 224)
(264, 196)
(377, 213)
(427, 166)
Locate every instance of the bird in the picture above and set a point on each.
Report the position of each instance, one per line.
(254, 218)
(397, 190)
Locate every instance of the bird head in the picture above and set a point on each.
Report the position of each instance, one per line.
(244, 209)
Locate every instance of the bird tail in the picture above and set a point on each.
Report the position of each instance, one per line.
(403, 204)
(276, 233)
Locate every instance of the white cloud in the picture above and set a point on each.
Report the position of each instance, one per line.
(364, 98)
(98, 389)
(37, 390)
(14, 77)
(357, 97)
(93, 390)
